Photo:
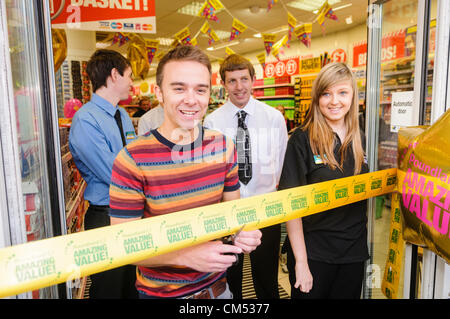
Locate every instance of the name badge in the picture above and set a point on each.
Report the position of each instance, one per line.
(318, 159)
(130, 135)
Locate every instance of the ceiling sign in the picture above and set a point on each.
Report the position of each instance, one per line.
(104, 15)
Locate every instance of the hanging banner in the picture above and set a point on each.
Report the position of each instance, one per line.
(105, 15)
(262, 59)
(270, 4)
(237, 28)
(229, 51)
(282, 68)
(392, 48)
(152, 47)
(209, 9)
(268, 39)
(206, 29)
(184, 36)
(303, 33)
(424, 185)
(292, 23)
(278, 47)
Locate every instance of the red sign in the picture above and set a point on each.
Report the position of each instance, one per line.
(392, 48)
(104, 15)
(282, 68)
(339, 55)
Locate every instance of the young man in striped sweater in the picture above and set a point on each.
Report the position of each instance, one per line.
(179, 166)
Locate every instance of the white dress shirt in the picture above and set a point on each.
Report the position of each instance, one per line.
(151, 120)
(268, 139)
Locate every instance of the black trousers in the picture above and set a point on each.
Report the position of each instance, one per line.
(330, 281)
(264, 262)
(118, 283)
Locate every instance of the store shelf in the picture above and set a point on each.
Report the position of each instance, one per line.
(275, 97)
(72, 206)
(400, 72)
(272, 86)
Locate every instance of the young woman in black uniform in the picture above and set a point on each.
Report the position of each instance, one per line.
(327, 251)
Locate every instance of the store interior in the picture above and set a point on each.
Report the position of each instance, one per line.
(283, 77)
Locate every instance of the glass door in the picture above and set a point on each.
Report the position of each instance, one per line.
(27, 131)
(400, 57)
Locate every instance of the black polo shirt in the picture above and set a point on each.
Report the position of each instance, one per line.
(337, 235)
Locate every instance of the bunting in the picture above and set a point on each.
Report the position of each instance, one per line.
(209, 9)
(237, 28)
(277, 47)
(270, 4)
(206, 29)
(262, 59)
(325, 11)
(303, 33)
(229, 51)
(152, 47)
(121, 38)
(184, 36)
(268, 39)
(292, 22)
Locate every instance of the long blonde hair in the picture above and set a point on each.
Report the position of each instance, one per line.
(321, 136)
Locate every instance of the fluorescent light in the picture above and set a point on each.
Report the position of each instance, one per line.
(342, 7)
(165, 41)
(349, 20)
(257, 35)
(310, 5)
(223, 45)
(102, 45)
(192, 8)
(223, 34)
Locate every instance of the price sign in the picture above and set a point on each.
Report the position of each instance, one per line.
(339, 55)
(282, 68)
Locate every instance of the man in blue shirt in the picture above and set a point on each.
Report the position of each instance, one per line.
(98, 132)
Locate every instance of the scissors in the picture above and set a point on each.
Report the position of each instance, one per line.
(229, 240)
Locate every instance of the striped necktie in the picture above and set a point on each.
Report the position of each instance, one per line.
(243, 149)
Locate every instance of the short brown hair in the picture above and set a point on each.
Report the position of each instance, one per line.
(100, 65)
(236, 62)
(182, 53)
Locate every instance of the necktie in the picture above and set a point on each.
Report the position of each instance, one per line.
(243, 149)
(119, 124)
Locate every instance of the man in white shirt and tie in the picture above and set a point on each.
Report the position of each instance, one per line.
(260, 134)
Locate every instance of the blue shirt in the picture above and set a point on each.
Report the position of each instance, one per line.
(94, 142)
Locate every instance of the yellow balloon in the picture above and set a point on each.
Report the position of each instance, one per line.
(144, 87)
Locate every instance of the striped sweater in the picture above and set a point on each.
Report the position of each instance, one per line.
(152, 176)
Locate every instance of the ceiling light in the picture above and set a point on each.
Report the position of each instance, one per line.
(349, 20)
(257, 35)
(210, 48)
(102, 45)
(165, 41)
(342, 7)
(192, 8)
(223, 34)
(223, 45)
(310, 5)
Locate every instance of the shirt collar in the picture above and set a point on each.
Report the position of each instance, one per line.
(249, 108)
(104, 104)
